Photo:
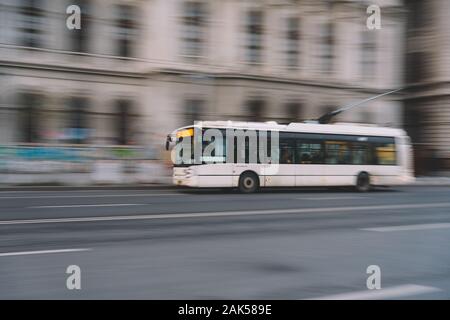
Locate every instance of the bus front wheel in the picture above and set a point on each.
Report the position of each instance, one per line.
(248, 182)
(363, 182)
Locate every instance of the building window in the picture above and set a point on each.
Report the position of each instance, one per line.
(368, 54)
(30, 117)
(125, 123)
(256, 110)
(194, 22)
(126, 28)
(77, 130)
(292, 42)
(416, 67)
(326, 50)
(31, 24)
(293, 111)
(417, 14)
(193, 110)
(79, 38)
(254, 36)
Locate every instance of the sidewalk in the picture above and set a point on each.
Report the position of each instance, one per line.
(432, 181)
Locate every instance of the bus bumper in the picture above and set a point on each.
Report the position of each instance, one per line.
(184, 182)
(184, 177)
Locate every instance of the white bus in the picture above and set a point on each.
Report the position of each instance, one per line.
(307, 154)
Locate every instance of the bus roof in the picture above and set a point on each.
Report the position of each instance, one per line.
(337, 128)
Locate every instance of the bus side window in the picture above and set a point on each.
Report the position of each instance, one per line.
(287, 146)
(337, 152)
(385, 154)
(360, 153)
(309, 152)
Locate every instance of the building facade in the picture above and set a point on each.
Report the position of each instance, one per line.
(138, 69)
(427, 78)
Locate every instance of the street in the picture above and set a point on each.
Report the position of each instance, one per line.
(214, 244)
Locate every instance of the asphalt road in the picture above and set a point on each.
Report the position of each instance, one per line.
(278, 244)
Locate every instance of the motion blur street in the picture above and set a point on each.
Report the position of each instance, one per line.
(215, 244)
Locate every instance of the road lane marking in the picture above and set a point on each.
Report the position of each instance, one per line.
(89, 205)
(223, 214)
(60, 189)
(94, 196)
(410, 227)
(23, 253)
(330, 198)
(384, 293)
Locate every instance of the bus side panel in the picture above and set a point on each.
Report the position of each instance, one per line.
(281, 175)
(342, 175)
(310, 175)
(214, 175)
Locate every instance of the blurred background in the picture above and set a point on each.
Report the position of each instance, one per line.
(94, 105)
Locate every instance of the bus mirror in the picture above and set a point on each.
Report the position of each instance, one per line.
(168, 140)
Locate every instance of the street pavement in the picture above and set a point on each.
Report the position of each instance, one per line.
(219, 244)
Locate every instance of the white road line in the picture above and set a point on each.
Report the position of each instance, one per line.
(331, 198)
(23, 253)
(81, 191)
(94, 196)
(383, 293)
(225, 213)
(410, 227)
(89, 205)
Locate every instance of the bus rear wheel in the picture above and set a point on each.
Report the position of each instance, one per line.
(248, 182)
(363, 182)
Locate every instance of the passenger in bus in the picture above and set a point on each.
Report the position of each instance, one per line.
(317, 157)
(286, 156)
(306, 158)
